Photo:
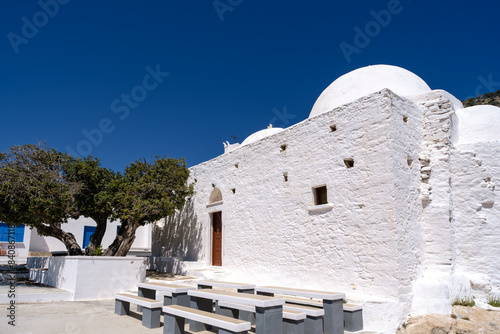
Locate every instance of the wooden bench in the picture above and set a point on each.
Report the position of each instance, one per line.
(151, 308)
(175, 316)
(293, 321)
(314, 317)
(332, 304)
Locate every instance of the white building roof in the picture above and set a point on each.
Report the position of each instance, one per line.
(478, 124)
(260, 135)
(367, 80)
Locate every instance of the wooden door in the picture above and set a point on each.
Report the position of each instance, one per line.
(217, 239)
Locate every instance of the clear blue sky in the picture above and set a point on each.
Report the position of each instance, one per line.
(232, 69)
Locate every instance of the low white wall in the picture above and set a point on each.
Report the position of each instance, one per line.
(95, 277)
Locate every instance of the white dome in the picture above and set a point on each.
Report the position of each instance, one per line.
(478, 124)
(260, 135)
(367, 80)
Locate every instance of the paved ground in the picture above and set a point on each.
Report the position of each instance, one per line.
(72, 317)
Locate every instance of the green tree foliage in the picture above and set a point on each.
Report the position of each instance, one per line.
(145, 193)
(94, 197)
(35, 191)
(43, 188)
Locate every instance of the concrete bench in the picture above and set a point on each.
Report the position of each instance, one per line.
(175, 316)
(314, 317)
(171, 294)
(151, 308)
(268, 315)
(301, 301)
(240, 287)
(353, 317)
(333, 320)
(353, 313)
(293, 320)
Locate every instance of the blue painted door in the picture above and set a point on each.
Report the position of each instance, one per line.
(87, 232)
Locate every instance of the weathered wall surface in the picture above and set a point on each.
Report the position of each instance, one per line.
(476, 187)
(407, 137)
(431, 288)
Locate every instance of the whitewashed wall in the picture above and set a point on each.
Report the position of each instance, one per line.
(95, 277)
(476, 189)
(361, 243)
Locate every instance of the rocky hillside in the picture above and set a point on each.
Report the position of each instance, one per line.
(492, 98)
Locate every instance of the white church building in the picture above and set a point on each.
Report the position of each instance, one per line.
(386, 192)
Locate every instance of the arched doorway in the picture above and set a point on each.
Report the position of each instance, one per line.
(216, 218)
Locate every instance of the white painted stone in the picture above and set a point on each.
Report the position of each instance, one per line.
(95, 277)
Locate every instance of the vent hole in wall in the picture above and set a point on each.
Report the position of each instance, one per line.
(283, 147)
(349, 163)
(333, 128)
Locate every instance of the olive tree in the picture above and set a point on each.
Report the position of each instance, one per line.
(145, 193)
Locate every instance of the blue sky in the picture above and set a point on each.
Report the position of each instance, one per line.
(126, 80)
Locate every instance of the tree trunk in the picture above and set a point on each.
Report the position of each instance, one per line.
(68, 239)
(124, 239)
(96, 238)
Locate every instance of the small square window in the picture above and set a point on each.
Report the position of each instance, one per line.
(320, 195)
(333, 128)
(283, 148)
(233, 190)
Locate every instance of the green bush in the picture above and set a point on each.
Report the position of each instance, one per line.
(465, 301)
(98, 251)
(494, 301)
